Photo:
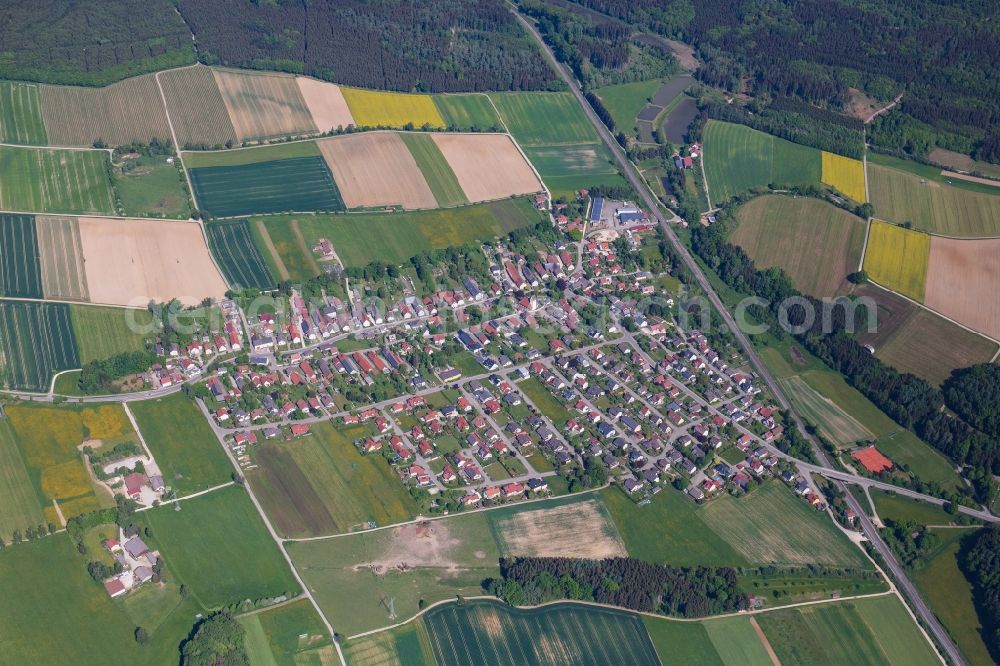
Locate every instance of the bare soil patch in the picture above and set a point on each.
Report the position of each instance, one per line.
(423, 545)
(376, 169)
(962, 279)
(488, 166)
(326, 104)
(130, 262)
(581, 529)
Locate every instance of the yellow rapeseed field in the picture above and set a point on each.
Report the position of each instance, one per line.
(845, 174)
(373, 108)
(896, 258)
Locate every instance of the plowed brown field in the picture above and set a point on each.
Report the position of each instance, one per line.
(376, 169)
(488, 166)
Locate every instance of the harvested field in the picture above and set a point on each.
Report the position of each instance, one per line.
(376, 169)
(817, 244)
(466, 112)
(232, 245)
(36, 340)
(63, 274)
(896, 258)
(488, 166)
(262, 106)
(326, 104)
(378, 108)
(556, 532)
(130, 262)
(962, 281)
(48, 180)
(21, 114)
(934, 206)
(127, 111)
(440, 178)
(205, 123)
(20, 267)
(489, 632)
(289, 185)
(844, 174)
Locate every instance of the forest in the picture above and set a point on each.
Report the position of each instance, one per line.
(941, 56)
(620, 581)
(909, 400)
(981, 563)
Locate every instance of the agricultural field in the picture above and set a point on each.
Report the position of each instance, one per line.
(844, 174)
(63, 274)
(321, 484)
(544, 119)
(690, 642)
(205, 123)
(817, 244)
(376, 169)
(195, 159)
(103, 332)
(896, 258)
(127, 111)
(900, 508)
(554, 531)
(130, 262)
(804, 536)
(19, 505)
(963, 162)
(377, 108)
(737, 641)
(437, 172)
(263, 106)
(297, 184)
(326, 104)
(284, 239)
(483, 631)
(468, 112)
(361, 238)
(48, 180)
(408, 644)
(220, 549)
(231, 243)
(625, 101)
(290, 634)
(863, 631)
(931, 202)
(842, 429)
(20, 265)
(487, 166)
(152, 187)
(189, 455)
(738, 159)
(962, 280)
(36, 341)
(20, 114)
(76, 617)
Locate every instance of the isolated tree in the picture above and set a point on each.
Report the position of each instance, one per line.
(141, 637)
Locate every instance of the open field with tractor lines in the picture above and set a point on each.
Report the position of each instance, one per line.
(20, 264)
(466, 112)
(21, 114)
(817, 244)
(206, 122)
(127, 111)
(242, 265)
(962, 280)
(407, 644)
(48, 180)
(932, 202)
(376, 169)
(103, 332)
(834, 423)
(488, 166)
(130, 262)
(435, 168)
(64, 276)
(297, 184)
(738, 159)
(378, 108)
(845, 174)
(326, 104)
(262, 106)
(19, 505)
(544, 119)
(36, 340)
(896, 258)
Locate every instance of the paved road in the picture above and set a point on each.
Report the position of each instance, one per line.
(626, 167)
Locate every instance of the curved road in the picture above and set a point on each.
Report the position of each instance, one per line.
(923, 612)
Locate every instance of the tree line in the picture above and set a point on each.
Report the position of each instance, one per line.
(980, 562)
(620, 581)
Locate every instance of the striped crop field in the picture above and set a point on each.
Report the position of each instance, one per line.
(36, 340)
(234, 250)
(467, 112)
(488, 632)
(262, 106)
(43, 180)
(544, 118)
(20, 271)
(206, 122)
(432, 164)
(290, 185)
(845, 174)
(377, 108)
(127, 111)
(897, 258)
(21, 114)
